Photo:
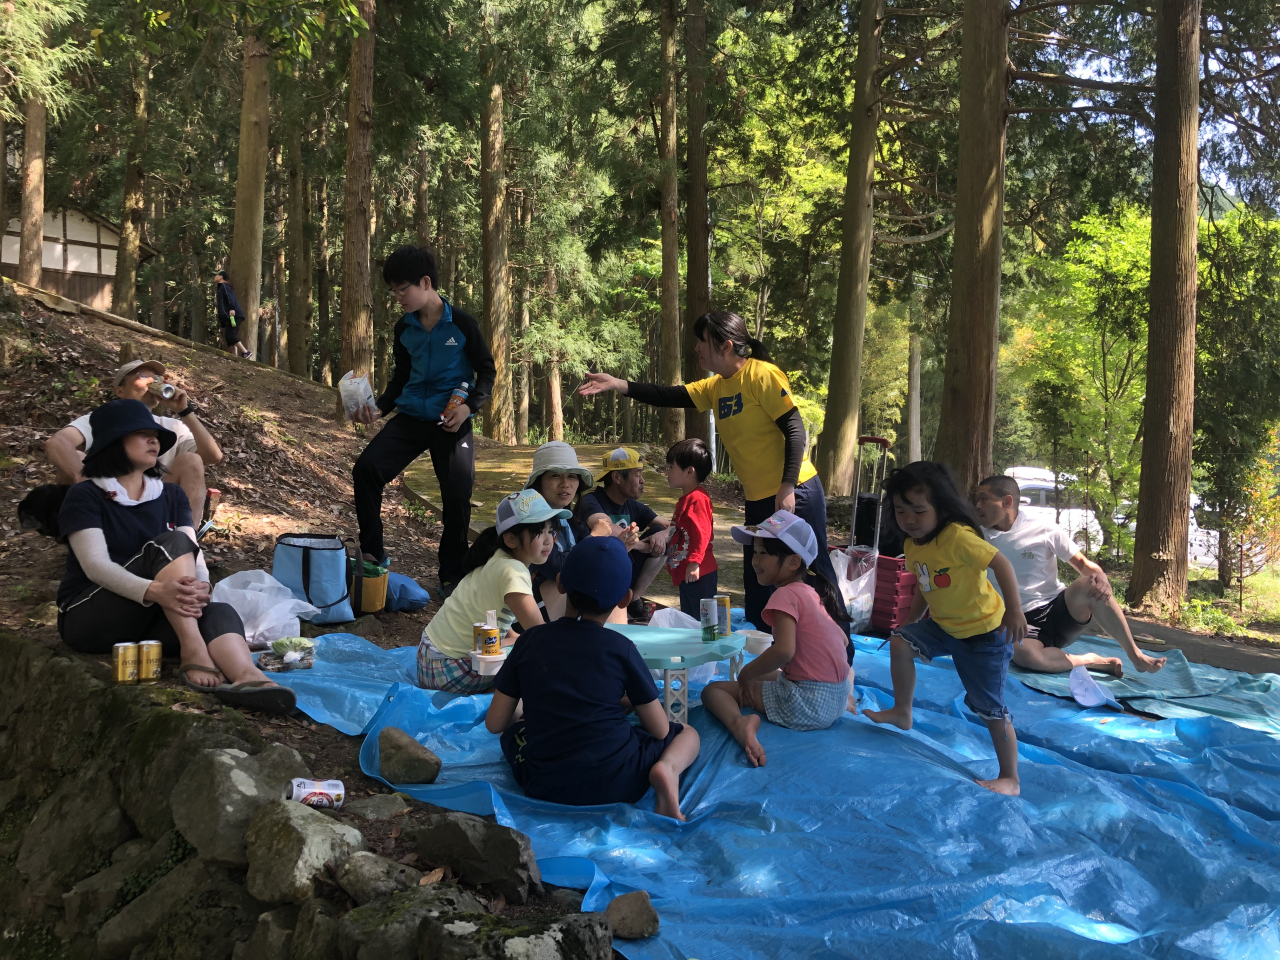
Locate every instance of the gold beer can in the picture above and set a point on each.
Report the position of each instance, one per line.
(149, 656)
(124, 662)
(490, 644)
(477, 631)
(722, 613)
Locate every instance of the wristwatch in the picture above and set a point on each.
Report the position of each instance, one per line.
(188, 409)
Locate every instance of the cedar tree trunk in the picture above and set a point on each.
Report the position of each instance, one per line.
(913, 401)
(500, 415)
(251, 185)
(299, 255)
(697, 249)
(124, 298)
(31, 251)
(357, 294)
(673, 417)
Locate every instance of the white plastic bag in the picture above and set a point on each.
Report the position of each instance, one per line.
(267, 607)
(856, 578)
(355, 392)
(672, 619)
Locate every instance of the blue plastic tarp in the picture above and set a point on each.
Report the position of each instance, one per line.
(1132, 838)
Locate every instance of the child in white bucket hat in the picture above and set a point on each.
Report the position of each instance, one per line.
(802, 680)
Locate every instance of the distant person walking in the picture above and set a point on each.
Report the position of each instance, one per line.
(230, 316)
(760, 426)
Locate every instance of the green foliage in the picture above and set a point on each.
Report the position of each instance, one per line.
(38, 54)
(1204, 615)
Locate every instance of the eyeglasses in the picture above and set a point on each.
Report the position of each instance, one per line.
(400, 289)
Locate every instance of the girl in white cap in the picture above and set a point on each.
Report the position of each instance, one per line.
(802, 680)
(495, 576)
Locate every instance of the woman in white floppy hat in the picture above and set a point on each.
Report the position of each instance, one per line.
(561, 480)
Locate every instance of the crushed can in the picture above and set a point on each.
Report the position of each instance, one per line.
(722, 613)
(124, 662)
(149, 658)
(327, 794)
(709, 616)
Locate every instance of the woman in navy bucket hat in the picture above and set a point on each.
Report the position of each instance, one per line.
(135, 572)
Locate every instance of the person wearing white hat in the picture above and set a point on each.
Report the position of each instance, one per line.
(183, 463)
(562, 481)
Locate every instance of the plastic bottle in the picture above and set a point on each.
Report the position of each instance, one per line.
(456, 399)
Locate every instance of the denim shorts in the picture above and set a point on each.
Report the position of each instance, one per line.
(982, 663)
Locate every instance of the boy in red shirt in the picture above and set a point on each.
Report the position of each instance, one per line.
(689, 557)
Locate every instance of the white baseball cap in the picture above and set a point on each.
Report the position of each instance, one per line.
(784, 525)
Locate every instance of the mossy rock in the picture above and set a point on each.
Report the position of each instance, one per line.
(475, 935)
(387, 928)
(206, 927)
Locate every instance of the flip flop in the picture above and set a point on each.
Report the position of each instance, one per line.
(185, 670)
(263, 695)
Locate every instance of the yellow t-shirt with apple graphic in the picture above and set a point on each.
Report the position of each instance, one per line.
(951, 570)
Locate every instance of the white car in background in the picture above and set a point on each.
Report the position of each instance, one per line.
(1037, 489)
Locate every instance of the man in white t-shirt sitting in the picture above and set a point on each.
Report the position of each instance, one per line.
(1057, 614)
(184, 461)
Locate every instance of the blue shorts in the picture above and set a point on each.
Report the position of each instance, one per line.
(981, 661)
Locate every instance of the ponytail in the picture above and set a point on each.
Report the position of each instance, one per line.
(721, 327)
(488, 543)
(832, 602)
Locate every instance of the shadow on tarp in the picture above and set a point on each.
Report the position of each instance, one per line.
(1180, 689)
(1132, 838)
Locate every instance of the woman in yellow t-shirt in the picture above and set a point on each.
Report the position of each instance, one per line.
(760, 427)
(968, 621)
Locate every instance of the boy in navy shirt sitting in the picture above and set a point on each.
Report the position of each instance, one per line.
(574, 744)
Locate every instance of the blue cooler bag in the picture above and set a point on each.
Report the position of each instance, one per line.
(314, 568)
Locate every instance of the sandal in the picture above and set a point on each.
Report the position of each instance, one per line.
(263, 695)
(185, 670)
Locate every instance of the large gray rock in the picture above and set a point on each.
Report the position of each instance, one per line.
(272, 937)
(367, 876)
(89, 902)
(278, 765)
(162, 745)
(481, 853)
(402, 759)
(469, 936)
(382, 806)
(316, 935)
(214, 800)
(632, 916)
(289, 845)
(387, 928)
(206, 926)
(72, 832)
(140, 920)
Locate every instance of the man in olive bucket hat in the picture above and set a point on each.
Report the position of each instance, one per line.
(616, 499)
(561, 480)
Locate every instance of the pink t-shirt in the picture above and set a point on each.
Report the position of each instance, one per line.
(820, 643)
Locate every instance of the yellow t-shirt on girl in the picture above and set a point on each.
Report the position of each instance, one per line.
(951, 570)
(746, 407)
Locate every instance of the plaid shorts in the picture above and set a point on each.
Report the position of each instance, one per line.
(449, 674)
(804, 704)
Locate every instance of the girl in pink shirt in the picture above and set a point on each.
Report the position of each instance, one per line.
(802, 680)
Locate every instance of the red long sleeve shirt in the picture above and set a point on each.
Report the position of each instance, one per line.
(691, 532)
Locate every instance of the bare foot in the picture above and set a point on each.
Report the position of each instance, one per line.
(202, 678)
(1005, 785)
(1111, 665)
(852, 704)
(900, 717)
(1149, 664)
(666, 788)
(745, 734)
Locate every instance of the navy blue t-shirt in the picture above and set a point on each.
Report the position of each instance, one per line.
(126, 529)
(572, 676)
(632, 511)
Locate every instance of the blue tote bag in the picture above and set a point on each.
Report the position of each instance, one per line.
(314, 568)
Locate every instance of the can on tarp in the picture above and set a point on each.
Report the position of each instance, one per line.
(490, 643)
(149, 656)
(477, 631)
(708, 611)
(124, 662)
(316, 793)
(722, 613)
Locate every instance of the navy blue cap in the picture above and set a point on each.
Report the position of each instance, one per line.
(599, 567)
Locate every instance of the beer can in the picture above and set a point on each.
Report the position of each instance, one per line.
(316, 793)
(708, 611)
(149, 655)
(124, 662)
(722, 613)
(477, 631)
(162, 389)
(490, 643)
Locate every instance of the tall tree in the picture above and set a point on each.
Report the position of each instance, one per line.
(422, 199)
(154, 223)
(697, 214)
(913, 400)
(1160, 548)
(969, 377)
(357, 292)
(251, 182)
(525, 370)
(299, 259)
(669, 212)
(124, 297)
(31, 248)
(324, 299)
(838, 443)
(495, 264)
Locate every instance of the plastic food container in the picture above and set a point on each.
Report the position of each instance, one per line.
(487, 665)
(757, 641)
